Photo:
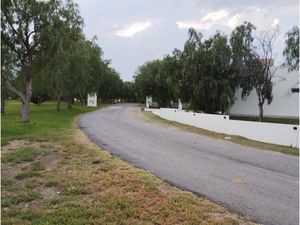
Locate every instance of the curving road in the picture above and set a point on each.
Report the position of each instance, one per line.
(261, 184)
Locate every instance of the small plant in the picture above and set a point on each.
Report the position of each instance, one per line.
(96, 161)
(118, 203)
(16, 199)
(37, 166)
(73, 191)
(20, 155)
(51, 183)
(7, 182)
(33, 171)
(27, 174)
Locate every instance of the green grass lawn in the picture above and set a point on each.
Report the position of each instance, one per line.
(44, 121)
(267, 119)
(52, 174)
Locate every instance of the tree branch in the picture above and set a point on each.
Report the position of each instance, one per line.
(11, 25)
(9, 44)
(5, 79)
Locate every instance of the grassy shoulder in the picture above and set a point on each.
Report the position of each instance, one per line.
(235, 139)
(45, 121)
(267, 119)
(57, 176)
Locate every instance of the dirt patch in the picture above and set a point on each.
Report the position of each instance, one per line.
(49, 192)
(14, 145)
(11, 170)
(49, 161)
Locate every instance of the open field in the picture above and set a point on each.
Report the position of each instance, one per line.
(52, 174)
(236, 139)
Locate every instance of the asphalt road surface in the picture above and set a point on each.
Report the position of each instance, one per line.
(260, 184)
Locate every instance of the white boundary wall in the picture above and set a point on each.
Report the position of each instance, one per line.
(274, 133)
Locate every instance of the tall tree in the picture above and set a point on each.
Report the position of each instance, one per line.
(129, 93)
(58, 53)
(241, 41)
(110, 87)
(207, 72)
(254, 64)
(291, 51)
(25, 29)
(145, 78)
(264, 69)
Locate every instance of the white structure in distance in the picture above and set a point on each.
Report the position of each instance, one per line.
(92, 99)
(285, 97)
(148, 101)
(179, 104)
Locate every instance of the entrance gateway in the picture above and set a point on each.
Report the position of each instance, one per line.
(92, 99)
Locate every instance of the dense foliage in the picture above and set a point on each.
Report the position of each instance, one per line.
(207, 73)
(202, 74)
(46, 56)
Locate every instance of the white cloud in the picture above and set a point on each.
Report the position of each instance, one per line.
(233, 21)
(215, 16)
(134, 28)
(206, 22)
(275, 22)
(257, 16)
(195, 25)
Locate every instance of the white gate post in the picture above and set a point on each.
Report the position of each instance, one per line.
(92, 99)
(148, 101)
(179, 104)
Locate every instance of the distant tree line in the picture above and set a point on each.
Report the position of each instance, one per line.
(207, 73)
(44, 55)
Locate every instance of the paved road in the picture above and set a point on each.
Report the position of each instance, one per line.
(260, 184)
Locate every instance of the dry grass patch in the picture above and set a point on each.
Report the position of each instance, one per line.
(78, 183)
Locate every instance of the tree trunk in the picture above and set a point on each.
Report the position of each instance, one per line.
(26, 101)
(81, 98)
(25, 98)
(58, 103)
(69, 101)
(25, 110)
(261, 112)
(39, 101)
(2, 106)
(2, 103)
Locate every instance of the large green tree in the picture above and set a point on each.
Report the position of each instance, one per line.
(110, 87)
(207, 73)
(129, 93)
(25, 30)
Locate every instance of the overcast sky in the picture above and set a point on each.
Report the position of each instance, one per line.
(131, 32)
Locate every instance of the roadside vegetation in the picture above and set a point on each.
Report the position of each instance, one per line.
(232, 138)
(63, 66)
(52, 174)
(267, 119)
(206, 73)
